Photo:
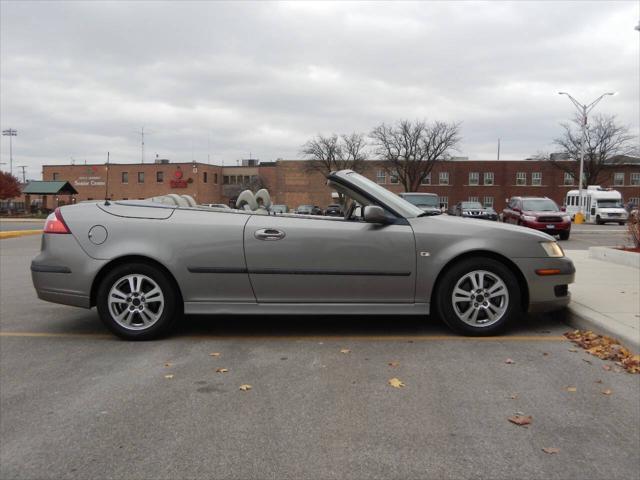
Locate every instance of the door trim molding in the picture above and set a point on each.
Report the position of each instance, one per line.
(299, 271)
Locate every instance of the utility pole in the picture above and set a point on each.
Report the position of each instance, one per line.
(24, 176)
(498, 149)
(583, 112)
(142, 133)
(10, 132)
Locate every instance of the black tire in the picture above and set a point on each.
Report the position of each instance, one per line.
(171, 309)
(621, 223)
(444, 290)
(564, 235)
(598, 221)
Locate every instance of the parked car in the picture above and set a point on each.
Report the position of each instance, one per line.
(427, 202)
(309, 210)
(334, 210)
(539, 213)
(144, 264)
(279, 209)
(475, 210)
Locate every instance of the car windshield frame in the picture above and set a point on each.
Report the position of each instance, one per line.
(385, 198)
(537, 204)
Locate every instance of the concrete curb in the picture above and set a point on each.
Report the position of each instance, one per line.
(613, 255)
(18, 233)
(583, 318)
(21, 220)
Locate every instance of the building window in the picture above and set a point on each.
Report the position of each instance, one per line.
(488, 178)
(536, 179)
(635, 178)
(56, 176)
(394, 179)
(140, 177)
(159, 177)
(225, 180)
(618, 178)
(444, 202)
(381, 177)
(521, 178)
(474, 178)
(204, 177)
(473, 199)
(568, 178)
(215, 178)
(125, 177)
(443, 178)
(635, 201)
(426, 179)
(488, 202)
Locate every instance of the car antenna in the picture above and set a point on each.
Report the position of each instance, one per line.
(106, 185)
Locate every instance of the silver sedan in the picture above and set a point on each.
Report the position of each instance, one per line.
(145, 264)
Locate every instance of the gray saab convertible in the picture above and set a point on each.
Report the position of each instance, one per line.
(143, 264)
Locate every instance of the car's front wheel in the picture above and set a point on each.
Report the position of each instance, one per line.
(478, 296)
(137, 302)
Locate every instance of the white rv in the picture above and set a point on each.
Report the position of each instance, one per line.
(601, 205)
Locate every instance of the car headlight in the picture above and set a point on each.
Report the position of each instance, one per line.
(552, 249)
(566, 218)
(528, 218)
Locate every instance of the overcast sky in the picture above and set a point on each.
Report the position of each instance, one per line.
(79, 79)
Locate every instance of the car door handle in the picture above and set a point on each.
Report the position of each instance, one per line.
(269, 234)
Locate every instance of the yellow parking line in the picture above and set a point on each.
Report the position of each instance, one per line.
(327, 338)
(18, 233)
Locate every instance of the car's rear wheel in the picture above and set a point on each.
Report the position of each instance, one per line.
(478, 296)
(137, 302)
(564, 235)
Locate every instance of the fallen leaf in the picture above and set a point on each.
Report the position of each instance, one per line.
(550, 450)
(598, 381)
(605, 348)
(168, 376)
(214, 354)
(508, 361)
(245, 387)
(573, 350)
(606, 367)
(168, 364)
(586, 360)
(283, 358)
(521, 420)
(396, 383)
(514, 396)
(607, 391)
(571, 389)
(394, 364)
(345, 350)
(222, 370)
(544, 354)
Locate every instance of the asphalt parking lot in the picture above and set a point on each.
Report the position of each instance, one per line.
(77, 403)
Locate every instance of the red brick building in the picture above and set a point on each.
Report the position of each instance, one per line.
(490, 182)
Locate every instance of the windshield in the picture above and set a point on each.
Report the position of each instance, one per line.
(611, 203)
(422, 200)
(401, 206)
(471, 205)
(540, 205)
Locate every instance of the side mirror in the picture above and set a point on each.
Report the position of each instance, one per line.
(563, 209)
(374, 214)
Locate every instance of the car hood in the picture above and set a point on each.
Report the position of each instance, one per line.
(543, 213)
(449, 232)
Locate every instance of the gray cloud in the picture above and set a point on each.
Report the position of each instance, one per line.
(79, 78)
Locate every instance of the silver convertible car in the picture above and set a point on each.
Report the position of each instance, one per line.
(144, 264)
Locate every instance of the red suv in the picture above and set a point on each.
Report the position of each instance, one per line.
(539, 213)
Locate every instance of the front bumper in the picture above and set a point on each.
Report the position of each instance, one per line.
(554, 229)
(547, 293)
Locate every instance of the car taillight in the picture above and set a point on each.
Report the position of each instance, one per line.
(55, 223)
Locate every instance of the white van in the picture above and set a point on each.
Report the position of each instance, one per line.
(601, 205)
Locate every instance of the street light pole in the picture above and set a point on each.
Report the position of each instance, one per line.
(583, 112)
(10, 133)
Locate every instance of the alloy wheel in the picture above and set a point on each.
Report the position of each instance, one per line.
(135, 302)
(480, 298)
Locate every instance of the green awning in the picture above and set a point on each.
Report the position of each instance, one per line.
(37, 187)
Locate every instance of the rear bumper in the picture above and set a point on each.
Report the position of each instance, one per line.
(63, 272)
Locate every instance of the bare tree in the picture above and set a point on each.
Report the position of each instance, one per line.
(334, 152)
(606, 144)
(411, 149)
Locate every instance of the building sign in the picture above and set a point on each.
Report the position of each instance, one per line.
(177, 181)
(90, 179)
